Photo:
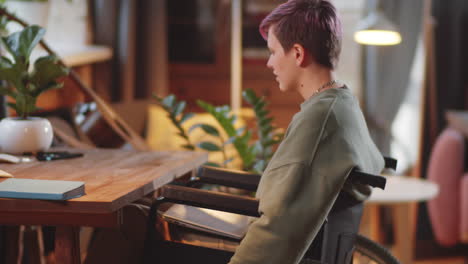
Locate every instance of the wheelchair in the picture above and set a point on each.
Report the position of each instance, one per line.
(336, 243)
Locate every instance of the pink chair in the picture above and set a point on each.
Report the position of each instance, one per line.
(449, 210)
(464, 209)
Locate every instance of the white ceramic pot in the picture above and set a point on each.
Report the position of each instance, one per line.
(31, 135)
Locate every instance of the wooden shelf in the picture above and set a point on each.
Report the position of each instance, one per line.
(74, 56)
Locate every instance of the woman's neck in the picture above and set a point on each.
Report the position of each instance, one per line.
(314, 80)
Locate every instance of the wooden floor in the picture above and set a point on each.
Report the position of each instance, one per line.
(459, 260)
(456, 260)
(51, 260)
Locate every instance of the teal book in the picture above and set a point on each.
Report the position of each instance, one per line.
(41, 189)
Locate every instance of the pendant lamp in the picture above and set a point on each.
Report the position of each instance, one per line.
(376, 29)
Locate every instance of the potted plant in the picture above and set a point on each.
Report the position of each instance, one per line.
(24, 84)
(254, 154)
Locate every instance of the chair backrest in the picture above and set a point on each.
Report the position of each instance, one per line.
(334, 244)
(446, 165)
(464, 209)
(335, 241)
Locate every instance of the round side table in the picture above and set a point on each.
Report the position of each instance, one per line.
(401, 194)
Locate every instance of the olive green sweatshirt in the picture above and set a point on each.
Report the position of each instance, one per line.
(323, 143)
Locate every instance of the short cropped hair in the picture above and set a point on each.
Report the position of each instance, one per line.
(312, 23)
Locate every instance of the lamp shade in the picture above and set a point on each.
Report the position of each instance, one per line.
(376, 29)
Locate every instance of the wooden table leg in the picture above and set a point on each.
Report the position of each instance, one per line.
(13, 244)
(33, 242)
(370, 223)
(404, 232)
(67, 245)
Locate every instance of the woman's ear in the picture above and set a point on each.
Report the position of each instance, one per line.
(299, 54)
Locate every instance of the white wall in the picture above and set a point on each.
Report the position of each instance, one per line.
(349, 67)
(67, 22)
(64, 21)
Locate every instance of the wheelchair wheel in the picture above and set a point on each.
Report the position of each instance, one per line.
(368, 251)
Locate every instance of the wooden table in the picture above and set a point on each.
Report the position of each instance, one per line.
(401, 193)
(113, 179)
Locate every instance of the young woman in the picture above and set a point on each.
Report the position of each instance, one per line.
(324, 141)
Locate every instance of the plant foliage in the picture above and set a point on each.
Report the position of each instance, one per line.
(23, 85)
(254, 154)
(175, 113)
(267, 133)
(240, 138)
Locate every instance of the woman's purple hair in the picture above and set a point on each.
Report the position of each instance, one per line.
(312, 23)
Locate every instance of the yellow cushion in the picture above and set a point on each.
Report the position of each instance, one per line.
(163, 135)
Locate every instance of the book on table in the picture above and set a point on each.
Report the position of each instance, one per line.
(207, 220)
(41, 189)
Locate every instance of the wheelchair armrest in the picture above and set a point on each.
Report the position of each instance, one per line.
(209, 199)
(249, 181)
(367, 178)
(390, 163)
(227, 177)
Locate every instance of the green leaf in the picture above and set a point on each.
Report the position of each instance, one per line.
(169, 100)
(259, 105)
(193, 127)
(46, 72)
(209, 129)
(225, 109)
(240, 131)
(13, 106)
(179, 108)
(186, 117)
(5, 62)
(262, 112)
(222, 115)
(26, 86)
(265, 122)
(265, 129)
(14, 75)
(173, 109)
(20, 44)
(50, 86)
(227, 161)
(209, 146)
(245, 137)
(259, 166)
(3, 21)
(269, 142)
(229, 141)
(188, 146)
(182, 134)
(25, 104)
(249, 96)
(258, 146)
